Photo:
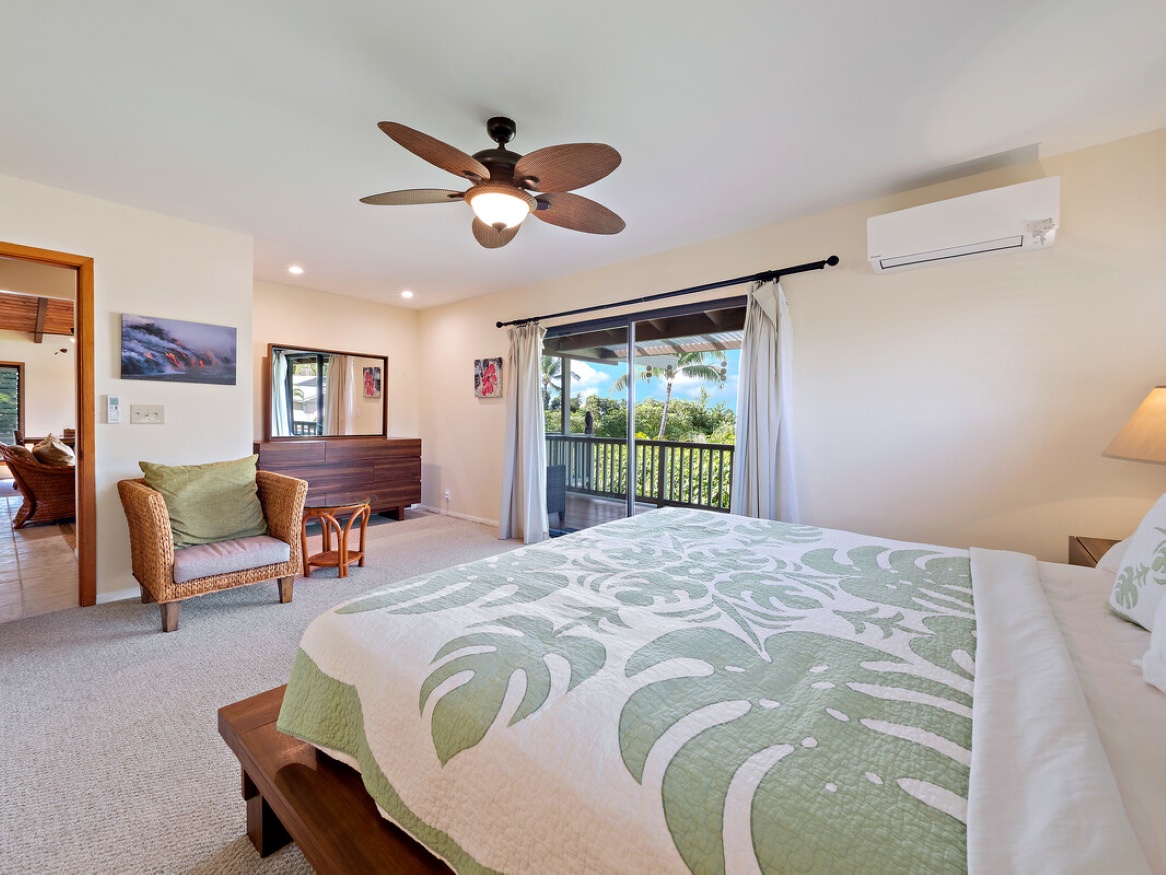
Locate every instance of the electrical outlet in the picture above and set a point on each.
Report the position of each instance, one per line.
(147, 414)
(447, 495)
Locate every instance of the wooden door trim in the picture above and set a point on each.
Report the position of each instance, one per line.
(86, 419)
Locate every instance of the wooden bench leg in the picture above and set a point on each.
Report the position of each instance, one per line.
(264, 829)
(285, 589)
(146, 597)
(170, 615)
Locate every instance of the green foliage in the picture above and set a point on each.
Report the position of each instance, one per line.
(688, 421)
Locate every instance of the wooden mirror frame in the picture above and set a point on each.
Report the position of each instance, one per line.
(267, 392)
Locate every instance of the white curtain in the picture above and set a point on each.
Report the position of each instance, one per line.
(524, 463)
(280, 425)
(338, 395)
(763, 470)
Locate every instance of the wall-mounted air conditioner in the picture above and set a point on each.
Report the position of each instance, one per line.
(1010, 219)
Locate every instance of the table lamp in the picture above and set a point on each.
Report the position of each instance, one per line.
(1143, 437)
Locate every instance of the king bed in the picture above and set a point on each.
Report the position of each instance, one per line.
(686, 691)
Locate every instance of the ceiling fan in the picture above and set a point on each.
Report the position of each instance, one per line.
(503, 182)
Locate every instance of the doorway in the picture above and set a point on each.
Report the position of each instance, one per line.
(84, 403)
(648, 400)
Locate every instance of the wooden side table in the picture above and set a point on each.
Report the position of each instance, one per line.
(331, 527)
(1088, 551)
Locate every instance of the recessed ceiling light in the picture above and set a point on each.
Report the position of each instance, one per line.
(406, 294)
(296, 269)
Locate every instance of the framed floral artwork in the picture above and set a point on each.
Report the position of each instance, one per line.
(488, 378)
(372, 382)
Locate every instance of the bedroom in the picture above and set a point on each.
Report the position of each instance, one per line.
(959, 405)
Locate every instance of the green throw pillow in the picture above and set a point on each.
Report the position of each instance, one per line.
(206, 503)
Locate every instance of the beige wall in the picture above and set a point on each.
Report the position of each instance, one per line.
(960, 404)
(291, 316)
(49, 382)
(150, 265)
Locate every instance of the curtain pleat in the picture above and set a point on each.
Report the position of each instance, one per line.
(280, 426)
(764, 483)
(338, 410)
(524, 464)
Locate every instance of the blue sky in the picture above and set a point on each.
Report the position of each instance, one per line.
(591, 379)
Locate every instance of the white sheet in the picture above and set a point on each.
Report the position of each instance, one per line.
(1040, 782)
(1130, 715)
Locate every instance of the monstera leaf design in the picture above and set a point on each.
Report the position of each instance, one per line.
(464, 714)
(1127, 589)
(904, 582)
(938, 648)
(870, 617)
(794, 708)
(498, 581)
(1158, 563)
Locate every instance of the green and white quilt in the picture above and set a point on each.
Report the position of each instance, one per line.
(681, 691)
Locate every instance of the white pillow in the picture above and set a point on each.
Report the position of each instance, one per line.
(1113, 557)
(1154, 662)
(1141, 581)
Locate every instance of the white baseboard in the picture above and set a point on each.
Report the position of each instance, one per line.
(460, 516)
(119, 595)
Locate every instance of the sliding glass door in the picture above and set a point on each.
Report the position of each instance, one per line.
(649, 401)
(587, 426)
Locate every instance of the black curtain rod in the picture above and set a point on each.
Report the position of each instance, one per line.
(764, 277)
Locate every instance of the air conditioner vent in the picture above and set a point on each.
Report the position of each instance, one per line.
(1010, 219)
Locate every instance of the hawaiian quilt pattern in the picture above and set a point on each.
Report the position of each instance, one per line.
(680, 691)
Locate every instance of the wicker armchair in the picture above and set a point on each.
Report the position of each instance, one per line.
(50, 491)
(152, 544)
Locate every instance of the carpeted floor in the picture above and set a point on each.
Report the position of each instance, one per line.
(110, 758)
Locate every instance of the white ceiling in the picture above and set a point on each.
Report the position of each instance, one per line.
(260, 115)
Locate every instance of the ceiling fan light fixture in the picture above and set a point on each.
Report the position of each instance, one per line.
(500, 206)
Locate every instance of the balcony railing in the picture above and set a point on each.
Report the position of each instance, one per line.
(666, 472)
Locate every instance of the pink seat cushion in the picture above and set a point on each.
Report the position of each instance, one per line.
(227, 557)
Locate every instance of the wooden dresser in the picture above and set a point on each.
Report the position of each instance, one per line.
(343, 470)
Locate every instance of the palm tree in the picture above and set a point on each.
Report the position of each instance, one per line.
(552, 372)
(694, 365)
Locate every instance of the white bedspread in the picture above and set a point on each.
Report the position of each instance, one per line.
(1065, 771)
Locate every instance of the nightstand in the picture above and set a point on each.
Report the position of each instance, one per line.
(1087, 551)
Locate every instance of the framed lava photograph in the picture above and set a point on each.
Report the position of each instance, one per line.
(175, 351)
(488, 378)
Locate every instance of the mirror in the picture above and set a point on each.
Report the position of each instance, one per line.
(314, 393)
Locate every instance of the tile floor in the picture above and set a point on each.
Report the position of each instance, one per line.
(38, 568)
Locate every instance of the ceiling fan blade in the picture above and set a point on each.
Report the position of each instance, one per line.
(491, 237)
(577, 213)
(436, 152)
(566, 167)
(410, 196)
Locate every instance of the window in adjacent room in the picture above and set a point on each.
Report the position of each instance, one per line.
(11, 401)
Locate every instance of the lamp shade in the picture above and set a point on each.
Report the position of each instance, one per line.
(500, 206)
(1143, 437)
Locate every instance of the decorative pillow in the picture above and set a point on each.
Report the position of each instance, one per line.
(207, 503)
(51, 451)
(1154, 662)
(1141, 580)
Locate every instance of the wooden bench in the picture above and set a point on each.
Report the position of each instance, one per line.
(295, 793)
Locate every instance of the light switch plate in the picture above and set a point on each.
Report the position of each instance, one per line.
(147, 414)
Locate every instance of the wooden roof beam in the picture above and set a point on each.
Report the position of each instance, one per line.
(42, 309)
